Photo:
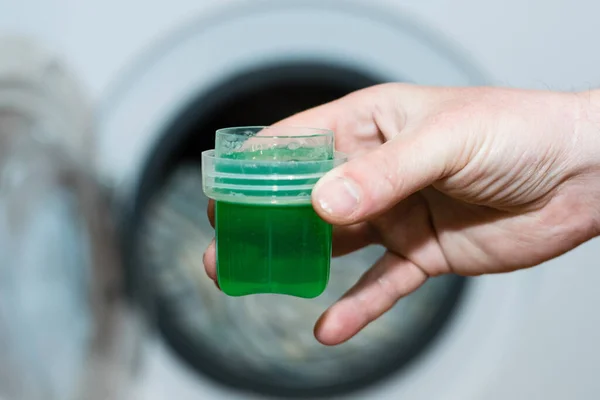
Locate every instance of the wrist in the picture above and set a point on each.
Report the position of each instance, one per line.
(587, 144)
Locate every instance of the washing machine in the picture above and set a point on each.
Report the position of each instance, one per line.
(162, 76)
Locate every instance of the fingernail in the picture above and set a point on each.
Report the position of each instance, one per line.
(338, 196)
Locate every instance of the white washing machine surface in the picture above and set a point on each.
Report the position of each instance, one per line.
(163, 75)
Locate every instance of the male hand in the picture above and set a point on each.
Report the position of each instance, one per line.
(451, 180)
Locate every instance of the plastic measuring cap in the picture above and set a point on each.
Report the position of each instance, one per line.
(269, 239)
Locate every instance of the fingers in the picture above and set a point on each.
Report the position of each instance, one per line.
(354, 117)
(368, 185)
(210, 261)
(347, 239)
(408, 229)
(390, 279)
(390, 157)
(210, 254)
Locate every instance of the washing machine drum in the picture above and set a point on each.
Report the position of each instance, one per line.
(265, 342)
(266, 63)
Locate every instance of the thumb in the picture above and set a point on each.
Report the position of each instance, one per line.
(376, 181)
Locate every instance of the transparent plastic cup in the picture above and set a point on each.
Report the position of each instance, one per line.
(269, 239)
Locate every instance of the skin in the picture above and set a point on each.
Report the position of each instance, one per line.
(451, 180)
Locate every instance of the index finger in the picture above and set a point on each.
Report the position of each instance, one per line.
(355, 119)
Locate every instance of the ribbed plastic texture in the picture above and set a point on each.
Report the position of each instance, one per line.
(240, 180)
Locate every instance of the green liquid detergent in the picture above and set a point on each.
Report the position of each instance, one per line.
(269, 239)
(282, 249)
